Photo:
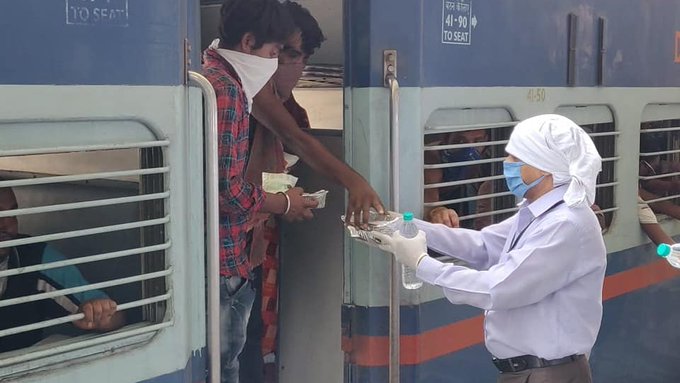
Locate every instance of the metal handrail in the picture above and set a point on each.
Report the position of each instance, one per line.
(212, 223)
(394, 325)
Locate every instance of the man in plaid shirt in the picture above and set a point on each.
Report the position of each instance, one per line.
(238, 65)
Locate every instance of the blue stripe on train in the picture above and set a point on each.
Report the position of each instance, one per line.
(95, 42)
(515, 43)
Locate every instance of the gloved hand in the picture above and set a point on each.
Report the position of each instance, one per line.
(407, 251)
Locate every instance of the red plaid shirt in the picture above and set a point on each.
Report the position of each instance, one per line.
(238, 199)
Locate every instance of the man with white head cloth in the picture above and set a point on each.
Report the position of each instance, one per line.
(539, 273)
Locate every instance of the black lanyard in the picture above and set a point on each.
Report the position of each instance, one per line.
(518, 236)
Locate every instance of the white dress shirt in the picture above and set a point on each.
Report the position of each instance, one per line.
(542, 296)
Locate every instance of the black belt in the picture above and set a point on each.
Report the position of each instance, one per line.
(521, 363)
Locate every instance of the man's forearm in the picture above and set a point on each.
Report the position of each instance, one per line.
(278, 120)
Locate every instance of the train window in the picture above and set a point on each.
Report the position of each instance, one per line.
(94, 215)
(598, 121)
(463, 169)
(660, 159)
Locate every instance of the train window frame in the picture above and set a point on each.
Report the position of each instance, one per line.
(498, 123)
(664, 122)
(150, 223)
(599, 122)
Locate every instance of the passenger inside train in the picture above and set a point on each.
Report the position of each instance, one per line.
(99, 310)
(653, 166)
(449, 214)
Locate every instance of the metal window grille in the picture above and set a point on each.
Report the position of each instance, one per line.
(144, 250)
(479, 193)
(482, 195)
(604, 136)
(659, 158)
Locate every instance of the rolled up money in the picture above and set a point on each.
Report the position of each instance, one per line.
(319, 196)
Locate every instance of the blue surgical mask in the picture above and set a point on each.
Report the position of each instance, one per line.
(459, 172)
(513, 177)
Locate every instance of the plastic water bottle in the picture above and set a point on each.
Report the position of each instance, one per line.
(409, 229)
(670, 252)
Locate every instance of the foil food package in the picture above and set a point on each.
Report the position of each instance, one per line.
(386, 223)
(319, 196)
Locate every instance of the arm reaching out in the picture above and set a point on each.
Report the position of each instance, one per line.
(269, 110)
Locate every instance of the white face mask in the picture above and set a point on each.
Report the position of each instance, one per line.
(254, 71)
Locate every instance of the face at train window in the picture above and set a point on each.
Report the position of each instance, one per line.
(473, 153)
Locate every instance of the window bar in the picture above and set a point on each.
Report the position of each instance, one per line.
(463, 163)
(83, 288)
(658, 176)
(463, 182)
(431, 148)
(650, 154)
(655, 130)
(82, 177)
(84, 232)
(435, 129)
(608, 184)
(605, 134)
(82, 148)
(83, 260)
(660, 199)
(78, 316)
(84, 204)
(467, 199)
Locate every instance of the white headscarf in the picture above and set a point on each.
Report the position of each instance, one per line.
(254, 71)
(556, 145)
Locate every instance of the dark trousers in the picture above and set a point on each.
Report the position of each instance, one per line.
(252, 364)
(577, 371)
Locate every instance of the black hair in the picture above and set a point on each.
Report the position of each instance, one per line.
(312, 36)
(267, 20)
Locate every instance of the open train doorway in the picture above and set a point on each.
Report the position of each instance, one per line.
(303, 289)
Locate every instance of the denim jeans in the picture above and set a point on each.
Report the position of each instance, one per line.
(251, 362)
(236, 301)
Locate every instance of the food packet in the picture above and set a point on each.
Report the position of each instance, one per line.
(386, 223)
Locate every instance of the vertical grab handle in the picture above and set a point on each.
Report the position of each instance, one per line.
(603, 50)
(571, 55)
(212, 223)
(390, 73)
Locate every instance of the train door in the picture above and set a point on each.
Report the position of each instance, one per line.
(305, 321)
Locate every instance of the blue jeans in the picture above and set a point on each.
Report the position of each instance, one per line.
(236, 301)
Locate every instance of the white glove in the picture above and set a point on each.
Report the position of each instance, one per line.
(407, 251)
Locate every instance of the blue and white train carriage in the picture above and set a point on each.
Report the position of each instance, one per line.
(101, 136)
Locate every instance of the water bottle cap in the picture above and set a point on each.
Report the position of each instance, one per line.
(663, 250)
(408, 216)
